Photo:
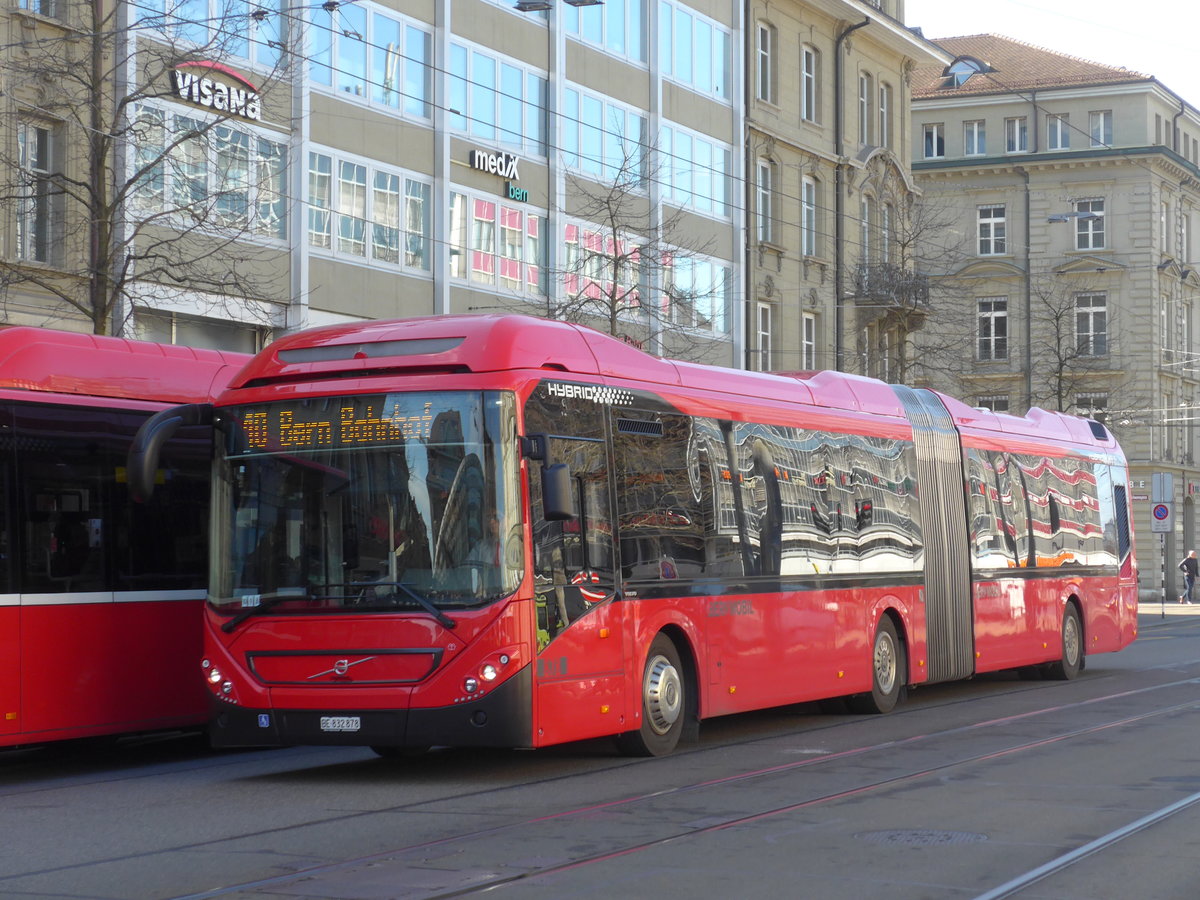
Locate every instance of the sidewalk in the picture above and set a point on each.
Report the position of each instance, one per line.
(1154, 612)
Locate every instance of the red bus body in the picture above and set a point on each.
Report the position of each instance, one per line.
(768, 527)
(96, 638)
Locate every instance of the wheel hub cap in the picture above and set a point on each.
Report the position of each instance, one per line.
(664, 694)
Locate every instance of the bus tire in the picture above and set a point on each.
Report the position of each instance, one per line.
(664, 703)
(889, 667)
(1071, 662)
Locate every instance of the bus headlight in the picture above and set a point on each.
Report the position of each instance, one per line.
(214, 675)
(471, 685)
(488, 672)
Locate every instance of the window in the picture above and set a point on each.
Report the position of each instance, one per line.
(974, 140)
(694, 50)
(766, 201)
(617, 26)
(1016, 135)
(38, 200)
(766, 63)
(1100, 126)
(697, 293)
(808, 343)
(935, 142)
(1089, 227)
(42, 7)
(993, 402)
(1058, 132)
(864, 231)
(511, 111)
(1091, 324)
(603, 139)
(885, 234)
(808, 217)
(214, 174)
(695, 173)
(992, 316)
(885, 115)
(764, 337)
(992, 231)
(1185, 238)
(496, 245)
(255, 32)
(371, 214)
(1164, 226)
(866, 115)
(376, 58)
(810, 97)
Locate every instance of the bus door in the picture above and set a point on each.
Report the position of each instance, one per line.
(579, 675)
(10, 600)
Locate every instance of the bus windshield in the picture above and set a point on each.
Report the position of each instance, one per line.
(366, 503)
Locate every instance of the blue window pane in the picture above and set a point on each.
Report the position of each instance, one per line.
(593, 113)
(721, 66)
(268, 36)
(615, 26)
(705, 178)
(704, 61)
(320, 62)
(637, 30)
(192, 20)
(417, 86)
(614, 133)
(666, 41)
(352, 50)
(568, 129)
(683, 46)
(511, 79)
(591, 23)
(483, 96)
(387, 54)
(457, 112)
(235, 31)
(683, 168)
(535, 114)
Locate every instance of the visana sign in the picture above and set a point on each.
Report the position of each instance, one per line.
(504, 164)
(203, 91)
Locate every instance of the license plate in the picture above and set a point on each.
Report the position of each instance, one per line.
(340, 723)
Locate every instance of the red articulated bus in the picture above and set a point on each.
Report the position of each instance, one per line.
(100, 602)
(508, 531)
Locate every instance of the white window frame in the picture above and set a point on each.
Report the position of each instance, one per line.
(1058, 131)
(934, 140)
(974, 137)
(765, 81)
(766, 201)
(808, 342)
(764, 329)
(1100, 127)
(1091, 323)
(991, 329)
(809, 243)
(1090, 232)
(810, 84)
(1016, 135)
(992, 229)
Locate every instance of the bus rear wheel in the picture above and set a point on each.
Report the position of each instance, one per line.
(664, 703)
(889, 668)
(1072, 647)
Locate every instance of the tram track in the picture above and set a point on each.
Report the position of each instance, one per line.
(415, 853)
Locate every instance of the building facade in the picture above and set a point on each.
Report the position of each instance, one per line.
(827, 161)
(274, 166)
(1073, 191)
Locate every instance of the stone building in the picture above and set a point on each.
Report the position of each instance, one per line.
(1074, 192)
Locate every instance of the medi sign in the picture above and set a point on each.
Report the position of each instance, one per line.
(192, 83)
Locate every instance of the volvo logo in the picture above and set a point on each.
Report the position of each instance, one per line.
(341, 667)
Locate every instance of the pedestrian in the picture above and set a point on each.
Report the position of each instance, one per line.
(1190, 567)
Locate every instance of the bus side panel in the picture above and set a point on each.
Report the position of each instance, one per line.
(10, 667)
(1014, 621)
(91, 668)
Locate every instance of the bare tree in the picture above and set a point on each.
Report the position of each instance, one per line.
(633, 268)
(115, 191)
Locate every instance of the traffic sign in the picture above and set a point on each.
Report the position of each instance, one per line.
(1161, 519)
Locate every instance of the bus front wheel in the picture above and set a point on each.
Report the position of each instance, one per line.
(889, 669)
(664, 703)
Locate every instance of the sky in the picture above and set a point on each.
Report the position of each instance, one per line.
(1154, 37)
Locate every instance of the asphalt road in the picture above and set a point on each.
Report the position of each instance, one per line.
(990, 788)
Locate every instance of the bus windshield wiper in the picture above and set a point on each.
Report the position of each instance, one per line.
(424, 602)
(263, 606)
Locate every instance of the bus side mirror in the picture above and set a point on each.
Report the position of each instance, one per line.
(557, 501)
(142, 463)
